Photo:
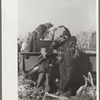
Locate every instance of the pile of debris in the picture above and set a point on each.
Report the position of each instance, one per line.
(85, 92)
(27, 90)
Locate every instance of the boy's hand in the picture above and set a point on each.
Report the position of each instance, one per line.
(44, 54)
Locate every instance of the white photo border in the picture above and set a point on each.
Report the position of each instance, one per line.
(9, 48)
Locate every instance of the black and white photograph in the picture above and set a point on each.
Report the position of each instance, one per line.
(56, 50)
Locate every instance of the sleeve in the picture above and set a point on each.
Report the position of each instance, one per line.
(31, 47)
(54, 44)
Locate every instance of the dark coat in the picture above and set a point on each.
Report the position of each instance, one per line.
(66, 66)
(35, 36)
(70, 51)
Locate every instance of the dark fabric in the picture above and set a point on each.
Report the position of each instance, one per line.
(41, 29)
(18, 47)
(44, 66)
(35, 36)
(32, 43)
(68, 52)
(66, 67)
(65, 76)
(68, 56)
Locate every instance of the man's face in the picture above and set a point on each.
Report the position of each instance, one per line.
(48, 25)
(64, 36)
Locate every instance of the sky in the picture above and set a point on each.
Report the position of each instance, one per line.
(76, 15)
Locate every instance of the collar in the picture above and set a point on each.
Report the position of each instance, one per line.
(37, 32)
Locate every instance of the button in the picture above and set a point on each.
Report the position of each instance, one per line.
(67, 49)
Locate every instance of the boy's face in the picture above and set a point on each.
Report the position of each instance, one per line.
(43, 50)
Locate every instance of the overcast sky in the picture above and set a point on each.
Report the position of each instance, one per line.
(76, 15)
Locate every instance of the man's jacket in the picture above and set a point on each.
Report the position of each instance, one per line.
(35, 36)
(67, 51)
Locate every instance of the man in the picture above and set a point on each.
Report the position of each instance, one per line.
(67, 53)
(32, 44)
(36, 35)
